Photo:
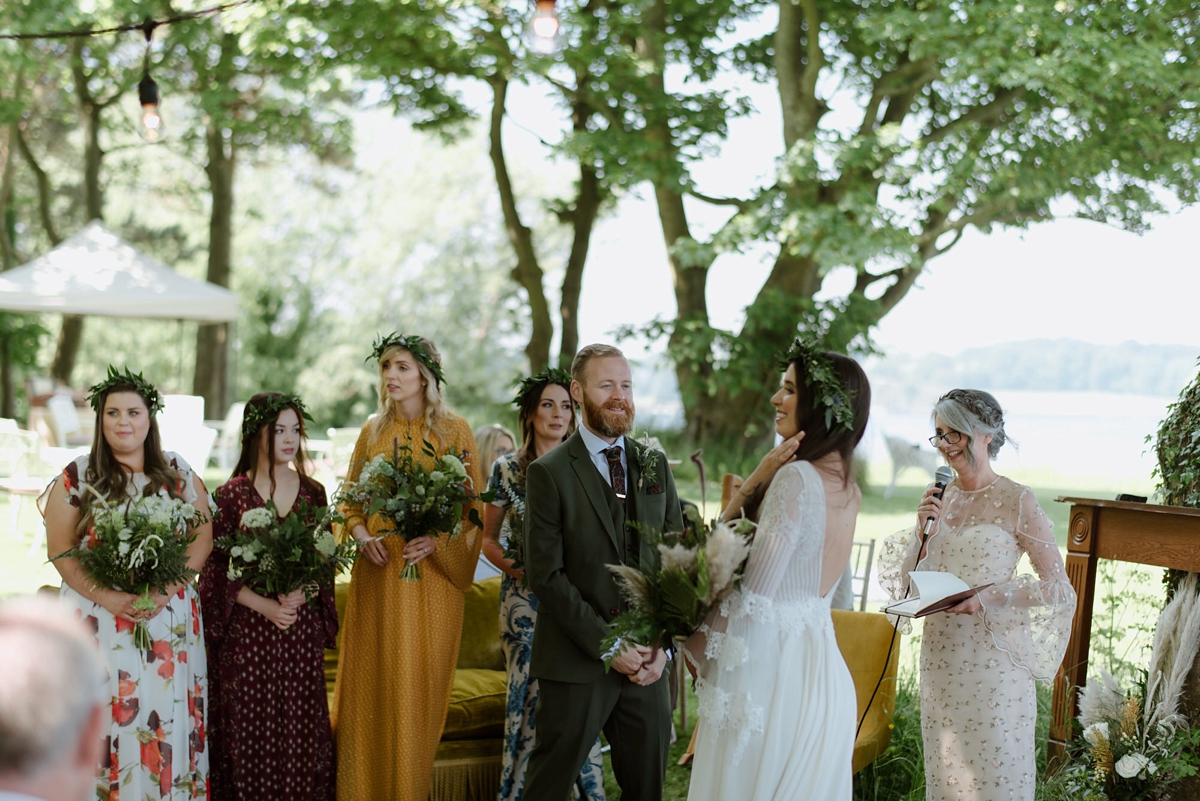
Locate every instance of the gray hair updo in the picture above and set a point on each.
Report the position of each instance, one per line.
(971, 411)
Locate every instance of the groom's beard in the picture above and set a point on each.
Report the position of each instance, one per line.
(613, 419)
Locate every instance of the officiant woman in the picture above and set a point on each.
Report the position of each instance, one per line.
(980, 659)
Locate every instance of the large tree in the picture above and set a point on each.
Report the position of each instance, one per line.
(257, 82)
(950, 116)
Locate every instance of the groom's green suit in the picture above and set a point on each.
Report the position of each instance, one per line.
(575, 525)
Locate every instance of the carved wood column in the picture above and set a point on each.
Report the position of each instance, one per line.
(1081, 569)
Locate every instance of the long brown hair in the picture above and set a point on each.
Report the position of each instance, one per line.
(810, 418)
(527, 451)
(106, 475)
(247, 462)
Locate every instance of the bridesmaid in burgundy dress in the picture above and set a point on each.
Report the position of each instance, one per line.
(269, 731)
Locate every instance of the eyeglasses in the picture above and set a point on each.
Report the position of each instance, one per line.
(950, 438)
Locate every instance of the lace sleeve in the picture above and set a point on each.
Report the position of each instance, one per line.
(778, 533)
(1030, 616)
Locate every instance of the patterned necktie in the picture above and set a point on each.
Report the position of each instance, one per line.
(615, 471)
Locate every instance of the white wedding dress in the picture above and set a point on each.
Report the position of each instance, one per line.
(777, 704)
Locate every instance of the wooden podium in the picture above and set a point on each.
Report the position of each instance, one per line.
(1164, 536)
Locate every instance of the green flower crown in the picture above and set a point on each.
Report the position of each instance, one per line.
(413, 345)
(820, 376)
(551, 375)
(140, 385)
(267, 411)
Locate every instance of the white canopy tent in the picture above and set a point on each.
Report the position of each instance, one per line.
(96, 272)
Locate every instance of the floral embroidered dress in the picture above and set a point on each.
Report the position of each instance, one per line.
(518, 613)
(400, 639)
(777, 703)
(269, 732)
(978, 704)
(155, 745)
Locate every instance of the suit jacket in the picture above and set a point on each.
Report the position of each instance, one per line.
(570, 537)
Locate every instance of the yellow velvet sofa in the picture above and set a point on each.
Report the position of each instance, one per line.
(863, 639)
(467, 765)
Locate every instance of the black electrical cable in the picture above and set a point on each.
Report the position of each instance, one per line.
(133, 26)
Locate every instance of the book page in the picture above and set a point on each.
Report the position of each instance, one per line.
(931, 586)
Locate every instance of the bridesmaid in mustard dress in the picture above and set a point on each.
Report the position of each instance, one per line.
(400, 638)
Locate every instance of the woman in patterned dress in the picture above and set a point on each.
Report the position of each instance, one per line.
(154, 746)
(400, 639)
(269, 732)
(980, 659)
(546, 419)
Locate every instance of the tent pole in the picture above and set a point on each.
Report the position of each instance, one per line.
(179, 361)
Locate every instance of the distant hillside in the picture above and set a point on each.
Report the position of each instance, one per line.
(902, 381)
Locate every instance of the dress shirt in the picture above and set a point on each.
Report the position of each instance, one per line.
(596, 448)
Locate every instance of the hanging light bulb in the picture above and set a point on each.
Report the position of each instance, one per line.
(151, 126)
(543, 32)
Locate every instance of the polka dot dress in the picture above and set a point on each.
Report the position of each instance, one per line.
(400, 642)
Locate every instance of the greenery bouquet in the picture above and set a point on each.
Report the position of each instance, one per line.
(698, 567)
(277, 556)
(413, 501)
(140, 547)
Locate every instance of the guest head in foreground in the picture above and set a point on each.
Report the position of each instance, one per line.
(602, 385)
(51, 715)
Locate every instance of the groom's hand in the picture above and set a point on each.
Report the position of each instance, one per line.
(629, 661)
(652, 667)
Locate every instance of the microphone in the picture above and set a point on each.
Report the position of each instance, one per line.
(942, 477)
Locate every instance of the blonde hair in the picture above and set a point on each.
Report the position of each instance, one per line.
(435, 414)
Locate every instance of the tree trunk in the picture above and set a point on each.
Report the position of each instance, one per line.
(212, 341)
(527, 272)
(8, 392)
(583, 220)
(71, 334)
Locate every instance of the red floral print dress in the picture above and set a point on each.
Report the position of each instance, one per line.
(269, 732)
(155, 745)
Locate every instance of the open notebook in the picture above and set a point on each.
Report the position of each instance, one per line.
(935, 591)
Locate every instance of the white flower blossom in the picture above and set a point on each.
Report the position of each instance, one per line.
(257, 518)
(325, 543)
(1090, 733)
(1131, 765)
(123, 548)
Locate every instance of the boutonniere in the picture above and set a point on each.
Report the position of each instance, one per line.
(649, 457)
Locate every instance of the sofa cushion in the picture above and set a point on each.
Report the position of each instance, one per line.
(480, 644)
(477, 704)
(863, 639)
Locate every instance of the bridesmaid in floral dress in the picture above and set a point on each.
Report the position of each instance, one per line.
(546, 418)
(269, 731)
(155, 744)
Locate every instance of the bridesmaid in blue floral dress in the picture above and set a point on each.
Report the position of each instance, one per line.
(547, 418)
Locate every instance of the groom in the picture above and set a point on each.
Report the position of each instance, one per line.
(582, 500)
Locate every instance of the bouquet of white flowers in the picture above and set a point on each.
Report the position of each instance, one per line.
(698, 567)
(413, 501)
(138, 546)
(276, 556)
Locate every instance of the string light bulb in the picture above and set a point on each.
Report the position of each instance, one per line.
(151, 125)
(543, 33)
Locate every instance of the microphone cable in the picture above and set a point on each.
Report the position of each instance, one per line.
(943, 477)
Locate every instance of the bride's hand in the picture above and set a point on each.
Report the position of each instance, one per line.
(776, 458)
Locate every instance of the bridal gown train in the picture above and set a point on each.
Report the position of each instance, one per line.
(777, 704)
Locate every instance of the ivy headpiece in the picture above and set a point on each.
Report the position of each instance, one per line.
(140, 385)
(413, 345)
(259, 413)
(535, 383)
(821, 378)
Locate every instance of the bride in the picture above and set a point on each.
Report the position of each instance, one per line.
(776, 698)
